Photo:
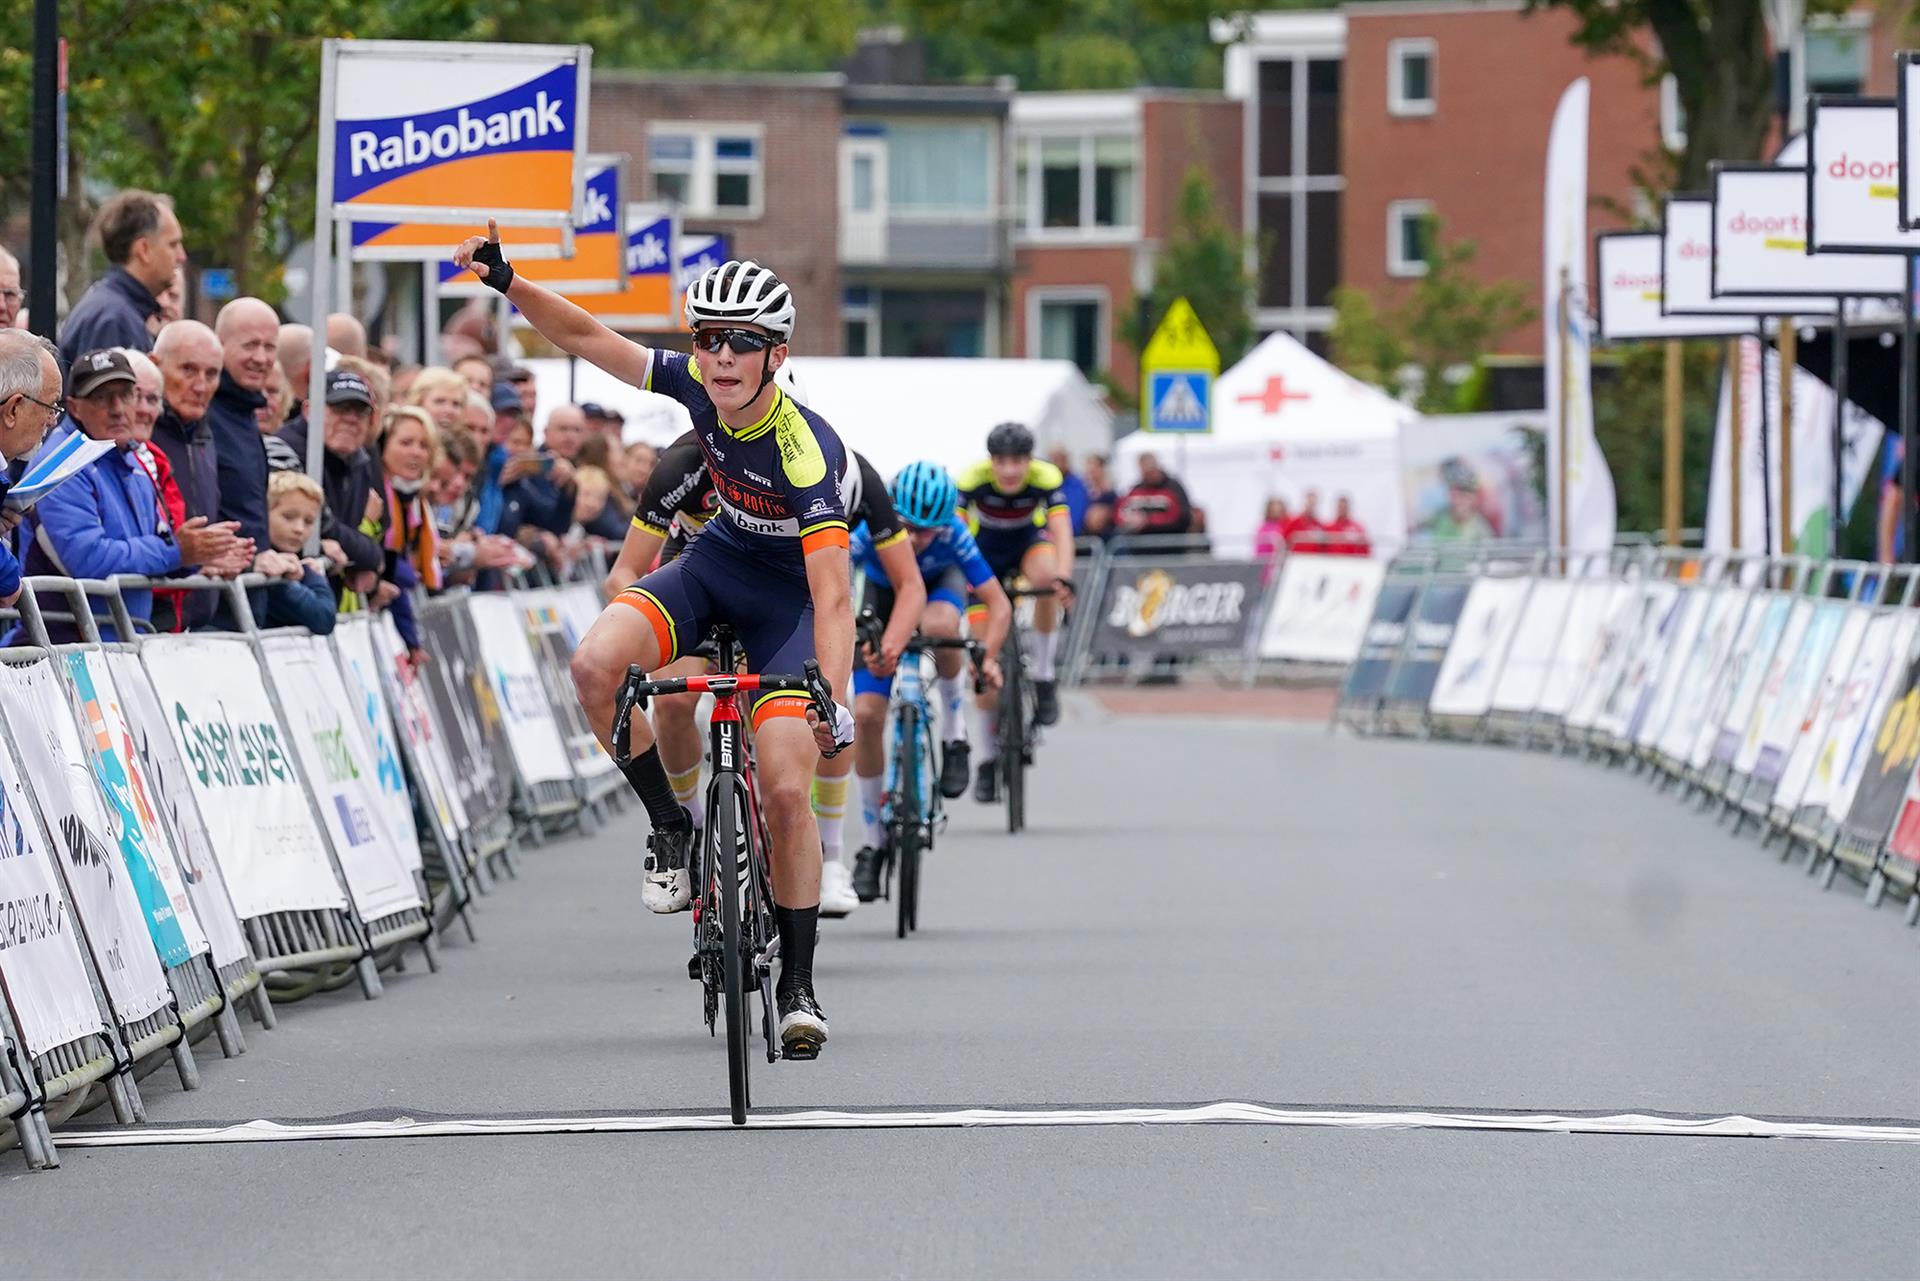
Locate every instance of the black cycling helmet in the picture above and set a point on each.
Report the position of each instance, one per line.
(1010, 440)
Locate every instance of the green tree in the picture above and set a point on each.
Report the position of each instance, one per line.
(1447, 324)
(1629, 412)
(1204, 261)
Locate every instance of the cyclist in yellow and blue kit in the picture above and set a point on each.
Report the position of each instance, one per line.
(772, 563)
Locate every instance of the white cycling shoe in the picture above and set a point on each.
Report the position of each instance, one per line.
(665, 886)
(836, 890)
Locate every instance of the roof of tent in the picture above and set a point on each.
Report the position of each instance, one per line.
(892, 409)
(1280, 390)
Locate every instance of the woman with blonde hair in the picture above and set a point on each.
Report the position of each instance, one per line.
(442, 393)
(408, 443)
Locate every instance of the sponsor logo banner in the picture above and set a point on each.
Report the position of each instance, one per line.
(1760, 242)
(1854, 176)
(1160, 606)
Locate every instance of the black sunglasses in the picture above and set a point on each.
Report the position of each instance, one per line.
(743, 341)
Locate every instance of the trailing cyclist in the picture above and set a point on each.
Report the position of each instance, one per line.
(772, 562)
(1019, 515)
(949, 564)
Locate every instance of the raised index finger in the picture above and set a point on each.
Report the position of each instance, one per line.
(493, 232)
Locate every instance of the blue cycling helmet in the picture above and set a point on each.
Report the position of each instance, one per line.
(924, 495)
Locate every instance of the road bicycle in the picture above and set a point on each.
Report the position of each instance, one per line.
(735, 942)
(1019, 733)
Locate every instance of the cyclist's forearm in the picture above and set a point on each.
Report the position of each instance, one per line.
(999, 623)
(1060, 532)
(829, 577)
(909, 602)
(635, 559)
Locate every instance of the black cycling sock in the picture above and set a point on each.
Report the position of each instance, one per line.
(648, 778)
(799, 927)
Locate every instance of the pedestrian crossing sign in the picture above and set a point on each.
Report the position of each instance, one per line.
(1180, 399)
(1177, 370)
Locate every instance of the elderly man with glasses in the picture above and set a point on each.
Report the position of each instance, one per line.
(29, 406)
(109, 519)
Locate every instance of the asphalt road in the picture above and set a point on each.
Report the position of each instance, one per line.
(1202, 910)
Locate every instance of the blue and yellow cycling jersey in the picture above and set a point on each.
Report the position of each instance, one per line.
(778, 481)
(995, 511)
(953, 547)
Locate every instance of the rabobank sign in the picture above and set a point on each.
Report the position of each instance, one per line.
(424, 129)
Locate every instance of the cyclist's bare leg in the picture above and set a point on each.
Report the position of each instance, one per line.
(678, 732)
(869, 763)
(784, 748)
(619, 637)
(1037, 566)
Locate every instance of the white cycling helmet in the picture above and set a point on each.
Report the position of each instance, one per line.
(740, 293)
(790, 382)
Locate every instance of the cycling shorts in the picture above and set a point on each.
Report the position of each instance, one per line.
(1005, 549)
(712, 582)
(949, 585)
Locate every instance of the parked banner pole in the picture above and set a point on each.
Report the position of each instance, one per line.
(1788, 347)
(321, 286)
(1670, 502)
(1766, 445)
(1840, 354)
(1734, 372)
(1560, 417)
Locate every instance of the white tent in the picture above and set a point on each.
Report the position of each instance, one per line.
(893, 410)
(1286, 423)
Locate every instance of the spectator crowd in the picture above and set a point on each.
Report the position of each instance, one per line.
(427, 478)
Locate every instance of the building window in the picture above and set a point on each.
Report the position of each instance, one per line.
(863, 193)
(1410, 66)
(859, 321)
(939, 169)
(1409, 237)
(1295, 203)
(711, 171)
(1079, 182)
(1835, 55)
(933, 322)
(1069, 325)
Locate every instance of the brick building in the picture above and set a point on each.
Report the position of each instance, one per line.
(1097, 180)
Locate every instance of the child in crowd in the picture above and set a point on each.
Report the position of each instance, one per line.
(293, 511)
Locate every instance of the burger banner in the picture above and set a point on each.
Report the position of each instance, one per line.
(1159, 606)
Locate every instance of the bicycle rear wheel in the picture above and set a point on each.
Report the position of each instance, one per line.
(732, 963)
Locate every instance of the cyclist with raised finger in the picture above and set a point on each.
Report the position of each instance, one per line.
(772, 563)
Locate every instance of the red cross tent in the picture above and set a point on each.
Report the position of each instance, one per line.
(1287, 424)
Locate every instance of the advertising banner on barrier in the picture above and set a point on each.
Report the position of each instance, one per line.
(1176, 605)
(1607, 655)
(408, 699)
(1686, 273)
(1700, 672)
(446, 131)
(1795, 705)
(1853, 176)
(443, 679)
(1747, 668)
(1773, 682)
(1651, 635)
(1321, 608)
(551, 637)
(40, 962)
(131, 815)
(1827, 698)
(1430, 634)
(1488, 620)
(360, 672)
(1524, 675)
(251, 799)
(1580, 637)
(1862, 732)
(1852, 708)
(1889, 761)
(539, 752)
(1664, 660)
(1760, 242)
(1386, 635)
(54, 765)
(334, 755)
(1628, 299)
(172, 795)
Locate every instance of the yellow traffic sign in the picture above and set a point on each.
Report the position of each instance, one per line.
(1176, 374)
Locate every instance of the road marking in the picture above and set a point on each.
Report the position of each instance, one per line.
(401, 1125)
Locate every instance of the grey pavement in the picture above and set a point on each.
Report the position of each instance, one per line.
(1201, 910)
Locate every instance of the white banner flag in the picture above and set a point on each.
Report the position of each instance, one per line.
(333, 753)
(160, 762)
(1812, 457)
(258, 814)
(55, 766)
(1589, 521)
(45, 975)
(360, 669)
(538, 750)
(1321, 608)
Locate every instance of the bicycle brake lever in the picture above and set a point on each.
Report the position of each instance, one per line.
(820, 692)
(623, 715)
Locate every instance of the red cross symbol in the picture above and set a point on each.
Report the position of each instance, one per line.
(1273, 397)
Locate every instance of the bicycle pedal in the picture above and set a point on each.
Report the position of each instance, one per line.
(800, 1051)
(693, 968)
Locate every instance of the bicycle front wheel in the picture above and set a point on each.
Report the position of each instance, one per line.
(726, 871)
(906, 817)
(1013, 735)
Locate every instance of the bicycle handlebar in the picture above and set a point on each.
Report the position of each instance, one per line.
(869, 629)
(637, 689)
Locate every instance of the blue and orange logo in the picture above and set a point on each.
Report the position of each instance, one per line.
(595, 265)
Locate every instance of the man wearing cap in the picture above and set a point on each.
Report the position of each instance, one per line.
(108, 520)
(607, 422)
(346, 473)
(507, 415)
(520, 378)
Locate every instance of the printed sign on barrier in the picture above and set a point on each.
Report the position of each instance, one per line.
(415, 722)
(54, 764)
(1861, 747)
(538, 750)
(45, 975)
(1524, 675)
(1689, 739)
(429, 131)
(1158, 606)
(238, 767)
(1792, 706)
(1580, 636)
(131, 816)
(1773, 682)
(1653, 614)
(160, 762)
(1830, 786)
(1321, 608)
(1746, 669)
(1429, 635)
(1386, 635)
(332, 750)
(1889, 762)
(445, 677)
(360, 672)
(1607, 654)
(1827, 699)
(552, 639)
(1672, 640)
(1488, 620)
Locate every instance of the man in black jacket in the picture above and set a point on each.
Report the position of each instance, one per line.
(347, 478)
(143, 241)
(190, 359)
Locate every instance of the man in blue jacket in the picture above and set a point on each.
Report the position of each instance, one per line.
(29, 405)
(108, 520)
(142, 239)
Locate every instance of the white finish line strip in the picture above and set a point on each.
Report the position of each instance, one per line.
(396, 1127)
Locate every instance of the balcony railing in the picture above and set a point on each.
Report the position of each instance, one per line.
(929, 243)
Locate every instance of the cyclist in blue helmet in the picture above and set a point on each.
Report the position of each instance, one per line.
(950, 564)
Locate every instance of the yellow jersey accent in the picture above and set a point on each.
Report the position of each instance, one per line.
(800, 456)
